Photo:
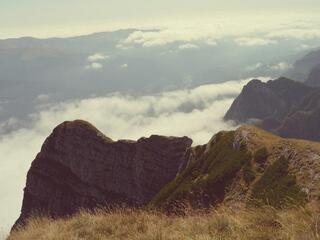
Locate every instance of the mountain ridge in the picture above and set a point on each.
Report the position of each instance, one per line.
(256, 154)
(282, 106)
(79, 167)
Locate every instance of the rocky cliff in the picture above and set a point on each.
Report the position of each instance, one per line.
(283, 106)
(79, 167)
(303, 121)
(303, 66)
(274, 99)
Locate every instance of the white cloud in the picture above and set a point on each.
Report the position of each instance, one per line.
(188, 46)
(208, 30)
(281, 66)
(211, 42)
(254, 66)
(94, 66)
(254, 41)
(295, 33)
(196, 113)
(304, 47)
(97, 57)
(125, 65)
(43, 97)
(164, 36)
(95, 61)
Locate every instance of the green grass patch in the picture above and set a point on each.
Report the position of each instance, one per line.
(261, 155)
(208, 174)
(248, 173)
(276, 187)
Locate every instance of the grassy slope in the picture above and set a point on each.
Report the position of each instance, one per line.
(207, 175)
(223, 224)
(207, 178)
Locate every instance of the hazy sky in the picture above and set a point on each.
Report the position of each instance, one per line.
(40, 17)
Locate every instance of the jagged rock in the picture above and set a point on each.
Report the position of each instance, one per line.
(304, 121)
(79, 167)
(287, 108)
(274, 99)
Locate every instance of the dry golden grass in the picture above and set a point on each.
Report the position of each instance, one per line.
(264, 223)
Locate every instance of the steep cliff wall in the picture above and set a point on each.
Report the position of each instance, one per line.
(79, 167)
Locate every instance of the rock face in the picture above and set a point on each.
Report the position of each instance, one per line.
(285, 107)
(303, 66)
(304, 121)
(78, 167)
(274, 99)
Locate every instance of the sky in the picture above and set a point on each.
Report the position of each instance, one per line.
(55, 18)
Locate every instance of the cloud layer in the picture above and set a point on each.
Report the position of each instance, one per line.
(95, 61)
(196, 113)
(208, 31)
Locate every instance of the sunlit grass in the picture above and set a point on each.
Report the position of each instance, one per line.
(225, 223)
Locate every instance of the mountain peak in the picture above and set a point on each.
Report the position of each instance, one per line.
(78, 167)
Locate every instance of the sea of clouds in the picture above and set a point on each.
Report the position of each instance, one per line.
(197, 113)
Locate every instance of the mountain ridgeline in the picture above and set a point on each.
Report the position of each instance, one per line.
(285, 107)
(80, 168)
(288, 106)
(304, 69)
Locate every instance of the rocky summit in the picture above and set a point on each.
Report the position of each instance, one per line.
(273, 99)
(79, 167)
(282, 106)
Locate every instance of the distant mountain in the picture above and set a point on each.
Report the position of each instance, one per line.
(274, 99)
(304, 121)
(303, 66)
(35, 71)
(78, 167)
(314, 77)
(283, 106)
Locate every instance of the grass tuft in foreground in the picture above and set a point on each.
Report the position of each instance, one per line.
(223, 224)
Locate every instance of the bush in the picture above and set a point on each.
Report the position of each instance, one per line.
(248, 173)
(276, 187)
(261, 155)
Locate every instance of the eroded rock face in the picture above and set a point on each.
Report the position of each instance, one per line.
(304, 121)
(284, 107)
(272, 100)
(78, 167)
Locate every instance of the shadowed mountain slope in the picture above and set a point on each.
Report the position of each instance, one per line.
(283, 106)
(78, 167)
